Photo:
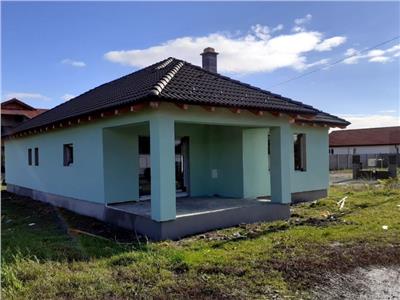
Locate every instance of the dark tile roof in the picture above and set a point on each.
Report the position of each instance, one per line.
(365, 137)
(176, 81)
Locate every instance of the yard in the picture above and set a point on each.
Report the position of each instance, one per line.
(323, 251)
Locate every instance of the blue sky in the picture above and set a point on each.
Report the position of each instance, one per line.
(53, 51)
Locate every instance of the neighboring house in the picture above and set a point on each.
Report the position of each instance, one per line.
(384, 140)
(13, 113)
(191, 140)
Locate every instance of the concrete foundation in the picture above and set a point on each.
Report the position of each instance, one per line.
(194, 217)
(308, 196)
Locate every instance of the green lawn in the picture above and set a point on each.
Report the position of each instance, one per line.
(42, 259)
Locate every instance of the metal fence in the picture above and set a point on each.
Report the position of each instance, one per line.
(344, 161)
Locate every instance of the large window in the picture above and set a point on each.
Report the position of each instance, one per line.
(300, 152)
(68, 154)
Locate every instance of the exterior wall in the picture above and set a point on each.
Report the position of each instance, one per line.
(82, 180)
(256, 177)
(105, 169)
(385, 149)
(121, 163)
(316, 176)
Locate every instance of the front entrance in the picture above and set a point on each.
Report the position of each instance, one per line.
(181, 167)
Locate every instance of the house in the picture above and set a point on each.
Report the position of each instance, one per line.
(13, 113)
(174, 149)
(383, 140)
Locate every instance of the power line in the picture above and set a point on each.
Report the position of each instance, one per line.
(336, 62)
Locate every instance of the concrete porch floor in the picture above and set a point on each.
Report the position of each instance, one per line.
(189, 206)
(194, 215)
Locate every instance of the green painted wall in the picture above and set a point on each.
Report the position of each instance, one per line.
(255, 162)
(101, 148)
(121, 164)
(316, 176)
(82, 180)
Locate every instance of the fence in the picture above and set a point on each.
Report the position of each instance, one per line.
(344, 161)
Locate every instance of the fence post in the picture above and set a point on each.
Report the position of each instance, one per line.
(356, 166)
(392, 165)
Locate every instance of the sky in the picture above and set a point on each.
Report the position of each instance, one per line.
(52, 51)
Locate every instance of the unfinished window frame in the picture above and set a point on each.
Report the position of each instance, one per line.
(30, 157)
(300, 152)
(68, 154)
(36, 156)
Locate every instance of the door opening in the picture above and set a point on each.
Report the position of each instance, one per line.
(181, 167)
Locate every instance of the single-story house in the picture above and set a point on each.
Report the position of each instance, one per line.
(13, 113)
(383, 140)
(174, 149)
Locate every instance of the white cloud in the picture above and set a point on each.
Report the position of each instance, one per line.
(371, 120)
(388, 111)
(67, 97)
(256, 51)
(318, 63)
(328, 44)
(277, 28)
(304, 20)
(74, 63)
(376, 55)
(299, 23)
(379, 59)
(26, 96)
(376, 52)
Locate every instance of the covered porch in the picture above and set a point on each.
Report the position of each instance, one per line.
(218, 172)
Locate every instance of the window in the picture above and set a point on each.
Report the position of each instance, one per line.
(30, 156)
(36, 156)
(300, 152)
(68, 154)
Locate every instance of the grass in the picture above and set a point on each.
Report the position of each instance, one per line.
(264, 260)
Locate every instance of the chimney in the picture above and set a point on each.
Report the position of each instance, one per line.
(209, 59)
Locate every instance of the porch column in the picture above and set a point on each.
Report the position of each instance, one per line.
(255, 162)
(281, 163)
(162, 159)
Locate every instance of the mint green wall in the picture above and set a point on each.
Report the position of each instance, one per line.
(216, 141)
(255, 162)
(316, 176)
(82, 180)
(121, 164)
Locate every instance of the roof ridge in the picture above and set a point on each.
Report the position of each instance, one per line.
(162, 83)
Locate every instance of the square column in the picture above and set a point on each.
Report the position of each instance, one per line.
(162, 159)
(281, 163)
(255, 162)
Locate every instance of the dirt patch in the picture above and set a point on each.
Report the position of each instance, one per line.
(312, 269)
(363, 284)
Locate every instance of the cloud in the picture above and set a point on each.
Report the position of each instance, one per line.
(328, 44)
(318, 63)
(299, 23)
(74, 63)
(67, 97)
(304, 20)
(380, 59)
(256, 51)
(376, 55)
(27, 96)
(371, 120)
(388, 111)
